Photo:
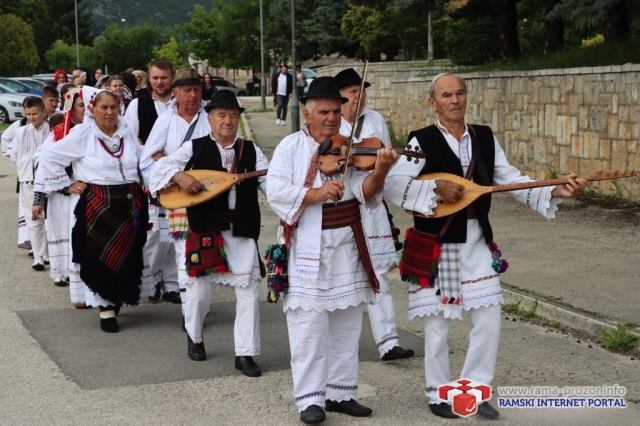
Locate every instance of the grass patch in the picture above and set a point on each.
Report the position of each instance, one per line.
(515, 309)
(396, 141)
(620, 339)
(4, 126)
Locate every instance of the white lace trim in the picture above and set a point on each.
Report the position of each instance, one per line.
(467, 305)
(308, 303)
(226, 278)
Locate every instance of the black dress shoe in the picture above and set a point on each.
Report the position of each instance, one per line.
(109, 325)
(116, 309)
(312, 415)
(172, 296)
(487, 411)
(156, 295)
(248, 366)
(196, 350)
(443, 410)
(350, 407)
(397, 353)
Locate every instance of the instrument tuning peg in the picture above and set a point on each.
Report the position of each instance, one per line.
(409, 147)
(416, 161)
(408, 158)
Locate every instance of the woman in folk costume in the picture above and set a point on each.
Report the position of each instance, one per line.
(111, 214)
(58, 204)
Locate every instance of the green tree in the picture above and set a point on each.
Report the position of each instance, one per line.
(63, 56)
(171, 51)
(613, 18)
(370, 28)
(18, 55)
(55, 20)
(128, 47)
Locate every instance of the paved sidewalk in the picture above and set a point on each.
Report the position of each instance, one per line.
(587, 257)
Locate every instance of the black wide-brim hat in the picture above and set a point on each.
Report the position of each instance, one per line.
(323, 87)
(349, 77)
(224, 99)
(186, 76)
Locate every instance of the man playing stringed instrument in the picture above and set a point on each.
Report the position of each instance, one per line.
(330, 275)
(220, 244)
(371, 124)
(467, 274)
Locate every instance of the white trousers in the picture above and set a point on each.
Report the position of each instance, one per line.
(324, 354)
(382, 315)
(23, 232)
(37, 230)
(480, 363)
(246, 330)
(161, 258)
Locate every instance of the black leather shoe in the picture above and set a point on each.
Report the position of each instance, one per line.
(443, 410)
(172, 296)
(487, 411)
(156, 295)
(196, 350)
(248, 366)
(109, 325)
(116, 309)
(184, 327)
(312, 415)
(397, 353)
(350, 407)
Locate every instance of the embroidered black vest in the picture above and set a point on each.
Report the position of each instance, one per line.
(214, 214)
(440, 158)
(147, 116)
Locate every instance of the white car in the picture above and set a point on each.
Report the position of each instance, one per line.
(10, 105)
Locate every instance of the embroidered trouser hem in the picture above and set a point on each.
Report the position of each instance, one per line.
(324, 354)
(480, 363)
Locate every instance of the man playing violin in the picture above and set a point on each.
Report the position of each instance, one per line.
(330, 275)
(469, 267)
(371, 124)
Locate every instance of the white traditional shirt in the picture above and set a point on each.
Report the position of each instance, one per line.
(8, 135)
(132, 113)
(242, 266)
(23, 148)
(376, 226)
(169, 133)
(324, 268)
(91, 161)
(480, 283)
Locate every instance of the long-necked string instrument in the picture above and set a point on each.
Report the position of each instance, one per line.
(473, 191)
(212, 184)
(353, 128)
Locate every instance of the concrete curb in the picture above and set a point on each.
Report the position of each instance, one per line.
(592, 327)
(246, 123)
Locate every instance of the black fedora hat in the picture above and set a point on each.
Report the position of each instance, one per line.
(349, 77)
(323, 87)
(186, 76)
(224, 99)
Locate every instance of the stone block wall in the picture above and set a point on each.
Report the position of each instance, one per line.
(549, 122)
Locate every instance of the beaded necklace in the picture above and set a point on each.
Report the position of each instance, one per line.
(116, 151)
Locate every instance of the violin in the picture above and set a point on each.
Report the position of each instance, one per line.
(333, 154)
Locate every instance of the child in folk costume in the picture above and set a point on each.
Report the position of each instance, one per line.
(23, 147)
(58, 205)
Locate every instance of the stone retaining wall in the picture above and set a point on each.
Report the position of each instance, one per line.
(549, 122)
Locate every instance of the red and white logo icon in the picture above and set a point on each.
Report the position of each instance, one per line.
(464, 396)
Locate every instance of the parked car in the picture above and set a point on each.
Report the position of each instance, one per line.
(10, 105)
(222, 84)
(31, 82)
(309, 73)
(19, 86)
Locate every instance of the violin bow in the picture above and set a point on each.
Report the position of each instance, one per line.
(353, 128)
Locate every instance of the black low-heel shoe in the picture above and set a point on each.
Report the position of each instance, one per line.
(350, 407)
(109, 325)
(312, 415)
(196, 350)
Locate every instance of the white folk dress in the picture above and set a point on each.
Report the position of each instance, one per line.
(91, 164)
